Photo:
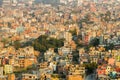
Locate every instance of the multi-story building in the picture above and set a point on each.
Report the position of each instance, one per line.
(29, 77)
(65, 50)
(1, 71)
(11, 76)
(79, 2)
(3, 78)
(49, 54)
(43, 65)
(63, 1)
(6, 3)
(8, 69)
(76, 70)
(24, 63)
(74, 77)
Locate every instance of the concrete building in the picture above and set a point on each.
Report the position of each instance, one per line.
(11, 76)
(8, 69)
(24, 63)
(74, 77)
(6, 3)
(1, 71)
(29, 77)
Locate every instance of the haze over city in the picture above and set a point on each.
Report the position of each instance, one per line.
(59, 39)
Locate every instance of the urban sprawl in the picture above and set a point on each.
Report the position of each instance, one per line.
(59, 39)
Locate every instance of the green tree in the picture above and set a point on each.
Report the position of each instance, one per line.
(110, 46)
(75, 56)
(94, 42)
(43, 43)
(5, 41)
(73, 32)
(90, 67)
(9, 25)
(17, 44)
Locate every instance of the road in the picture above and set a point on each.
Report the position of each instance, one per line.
(91, 77)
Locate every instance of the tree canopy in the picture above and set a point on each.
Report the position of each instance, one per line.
(43, 43)
(94, 42)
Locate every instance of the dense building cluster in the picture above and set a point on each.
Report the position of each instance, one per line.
(67, 40)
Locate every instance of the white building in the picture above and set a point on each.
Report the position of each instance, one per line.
(1, 71)
(63, 1)
(79, 2)
(6, 3)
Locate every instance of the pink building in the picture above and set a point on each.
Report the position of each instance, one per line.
(111, 61)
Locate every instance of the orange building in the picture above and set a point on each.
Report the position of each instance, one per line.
(11, 76)
(24, 63)
(74, 77)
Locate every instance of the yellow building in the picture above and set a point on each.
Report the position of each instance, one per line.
(117, 64)
(8, 69)
(55, 78)
(68, 36)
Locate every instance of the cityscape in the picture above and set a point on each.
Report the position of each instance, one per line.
(59, 39)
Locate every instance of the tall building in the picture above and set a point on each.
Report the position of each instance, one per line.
(79, 2)
(1, 71)
(6, 3)
(14, 1)
(8, 69)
